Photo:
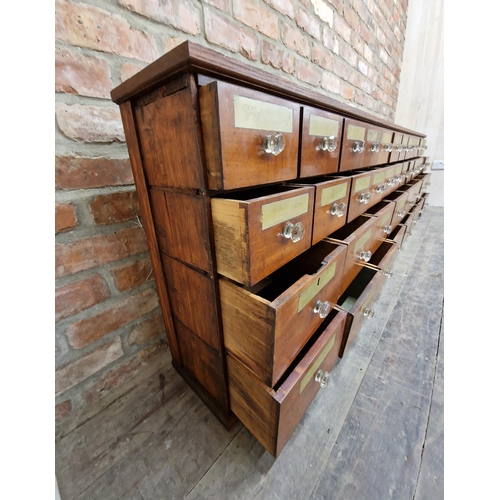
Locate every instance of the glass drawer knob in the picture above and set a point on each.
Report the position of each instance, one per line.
(274, 143)
(358, 146)
(294, 232)
(337, 209)
(364, 198)
(322, 308)
(388, 274)
(366, 256)
(387, 229)
(381, 188)
(388, 148)
(375, 147)
(369, 312)
(400, 214)
(328, 144)
(322, 377)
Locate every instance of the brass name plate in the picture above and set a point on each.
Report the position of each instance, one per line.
(332, 193)
(398, 169)
(384, 220)
(260, 115)
(283, 210)
(313, 289)
(315, 366)
(386, 137)
(355, 133)
(362, 183)
(379, 178)
(362, 241)
(400, 205)
(373, 136)
(389, 173)
(324, 127)
(398, 138)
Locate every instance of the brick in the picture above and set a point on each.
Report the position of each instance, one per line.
(90, 123)
(147, 330)
(348, 54)
(322, 57)
(257, 17)
(295, 40)
(220, 4)
(338, 5)
(340, 68)
(97, 250)
(76, 371)
(81, 173)
(363, 67)
(82, 75)
(351, 18)
(365, 33)
(384, 56)
(361, 10)
(63, 409)
(330, 41)
(323, 11)
(65, 217)
(126, 370)
(360, 97)
(283, 6)
(277, 58)
(308, 73)
(170, 42)
(181, 14)
(346, 91)
(114, 207)
(342, 28)
(76, 297)
(132, 275)
(82, 333)
(355, 79)
(128, 70)
(368, 54)
(330, 82)
(357, 43)
(85, 25)
(227, 34)
(308, 23)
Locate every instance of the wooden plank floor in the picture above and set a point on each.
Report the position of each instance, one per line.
(375, 432)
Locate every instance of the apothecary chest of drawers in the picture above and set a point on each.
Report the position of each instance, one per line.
(273, 215)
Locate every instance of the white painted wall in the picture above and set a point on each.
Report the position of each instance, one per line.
(420, 104)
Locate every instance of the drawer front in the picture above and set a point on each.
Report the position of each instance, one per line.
(321, 138)
(266, 328)
(250, 138)
(397, 148)
(272, 415)
(400, 200)
(353, 145)
(426, 181)
(361, 194)
(255, 236)
(384, 258)
(386, 146)
(384, 217)
(412, 147)
(373, 146)
(360, 305)
(380, 187)
(397, 235)
(330, 210)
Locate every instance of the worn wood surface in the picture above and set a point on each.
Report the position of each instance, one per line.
(160, 441)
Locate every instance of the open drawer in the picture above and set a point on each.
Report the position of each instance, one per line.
(362, 292)
(258, 230)
(272, 413)
(266, 326)
(384, 212)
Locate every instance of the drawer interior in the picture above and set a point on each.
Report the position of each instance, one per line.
(356, 288)
(255, 193)
(381, 252)
(344, 232)
(309, 262)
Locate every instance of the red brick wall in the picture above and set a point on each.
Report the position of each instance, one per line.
(108, 324)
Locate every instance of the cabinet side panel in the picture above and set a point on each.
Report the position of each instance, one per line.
(169, 143)
(147, 220)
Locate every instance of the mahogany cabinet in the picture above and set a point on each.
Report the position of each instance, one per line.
(273, 215)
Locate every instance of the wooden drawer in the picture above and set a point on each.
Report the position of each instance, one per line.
(249, 137)
(400, 200)
(412, 147)
(373, 146)
(399, 177)
(384, 212)
(426, 181)
(413, 190)
(353, 145)
(360, 236)
(267, 326)
(397, 148)
(272, 414)
(379, 184)
(256, 231)
(330, 206)
(360, 197)
(357, 301)
(321, 137)
(397, 236)
(386, 146)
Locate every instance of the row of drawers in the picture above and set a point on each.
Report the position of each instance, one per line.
(285, 335)
(252, 138)
(256, 231)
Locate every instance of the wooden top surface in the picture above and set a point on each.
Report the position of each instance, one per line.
(193, 57)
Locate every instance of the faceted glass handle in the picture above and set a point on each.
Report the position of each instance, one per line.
(328, 144)
(387, 229)
(322, 308)
(375, 147)
(388, 273)
(388, 147)
(294, 232)
(337, 209)
(358, 146)
(400, 214)
(322, 378)
(369, 312)
(381, 188)
(399, 148)
(274, 143)
(364, 198)
(366, 256)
